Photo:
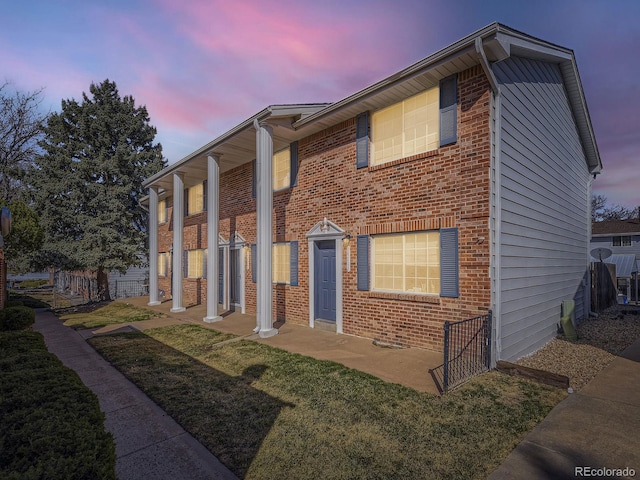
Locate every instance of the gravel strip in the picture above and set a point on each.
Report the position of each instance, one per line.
(599, 341)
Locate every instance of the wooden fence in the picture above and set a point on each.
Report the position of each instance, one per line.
(603, 288)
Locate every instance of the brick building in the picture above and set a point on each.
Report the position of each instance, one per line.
(457, 185)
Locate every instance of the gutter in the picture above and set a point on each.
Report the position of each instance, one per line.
(486, 67)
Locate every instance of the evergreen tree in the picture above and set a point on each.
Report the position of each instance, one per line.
(88, 182)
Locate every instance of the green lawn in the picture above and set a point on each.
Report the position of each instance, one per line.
(267, 413)
(99, 315)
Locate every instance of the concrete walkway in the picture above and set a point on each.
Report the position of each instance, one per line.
(597, 427)
(149, 443)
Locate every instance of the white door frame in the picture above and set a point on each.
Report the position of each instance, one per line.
(325, 230)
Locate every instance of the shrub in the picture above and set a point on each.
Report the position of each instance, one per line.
(13, 303)
(17, 318)
(51, 425)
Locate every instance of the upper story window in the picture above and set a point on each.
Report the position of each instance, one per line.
(162, 211)
(622, 241)
(195, 199)
(282, 169)
(407, 128)
(407, 262)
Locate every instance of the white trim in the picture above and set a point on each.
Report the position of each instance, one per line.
(326, 230)
(153, 247)
(495, 225)
(178, 224)
(213, 238)
(238, 243)
(264, 212)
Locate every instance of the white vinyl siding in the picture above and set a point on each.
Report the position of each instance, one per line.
(544, 206)
(408, 263)
(282, 169)
(406, 128)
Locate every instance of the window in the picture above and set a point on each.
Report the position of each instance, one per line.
(282, 169)
(281, 269)
(195, 263)
(163, 264)
(622, 241)
(406, 128)
(195, 199)
(408, 262)
(162, 211)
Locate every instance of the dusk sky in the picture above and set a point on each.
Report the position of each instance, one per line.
(203, 66)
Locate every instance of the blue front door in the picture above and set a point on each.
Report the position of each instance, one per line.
(324, 258)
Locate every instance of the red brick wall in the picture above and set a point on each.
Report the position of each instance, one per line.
(448, 187)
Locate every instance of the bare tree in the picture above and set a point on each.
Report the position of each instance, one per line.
(21, 127)
(601, 211)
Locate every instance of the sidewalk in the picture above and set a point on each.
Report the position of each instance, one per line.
(149, 443)
(597, 427)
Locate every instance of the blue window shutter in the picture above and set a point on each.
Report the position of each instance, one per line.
(254, 262)
(254, 178)
(293, 253)
(204, 196)
(185, 200)
(362, 140)
(448, 110)
(293, 172)
(185, 263)
(204, 264)
(362, 265)
(166, 208)
(449, 262)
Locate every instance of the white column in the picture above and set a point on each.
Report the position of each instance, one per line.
(153, 247)
(213, 215)
(264, 160)
(178, 223)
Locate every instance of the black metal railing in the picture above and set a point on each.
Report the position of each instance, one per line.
(467, 351)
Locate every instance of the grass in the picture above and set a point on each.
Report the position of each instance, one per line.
(102, 314)
(267, 413)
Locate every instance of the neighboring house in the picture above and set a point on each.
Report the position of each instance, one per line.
(622, 238)
(457, 185)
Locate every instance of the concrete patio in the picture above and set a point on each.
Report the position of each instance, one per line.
(407, 366)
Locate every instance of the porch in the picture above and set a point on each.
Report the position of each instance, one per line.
(408, 367)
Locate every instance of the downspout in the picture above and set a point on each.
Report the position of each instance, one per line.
(495, 226)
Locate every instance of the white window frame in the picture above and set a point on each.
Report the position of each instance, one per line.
(162, 211)
(201, 255)
(622, 241)
(163, 272)
(407, 144)
(405, 264)
(281, 157)
(195, 204)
